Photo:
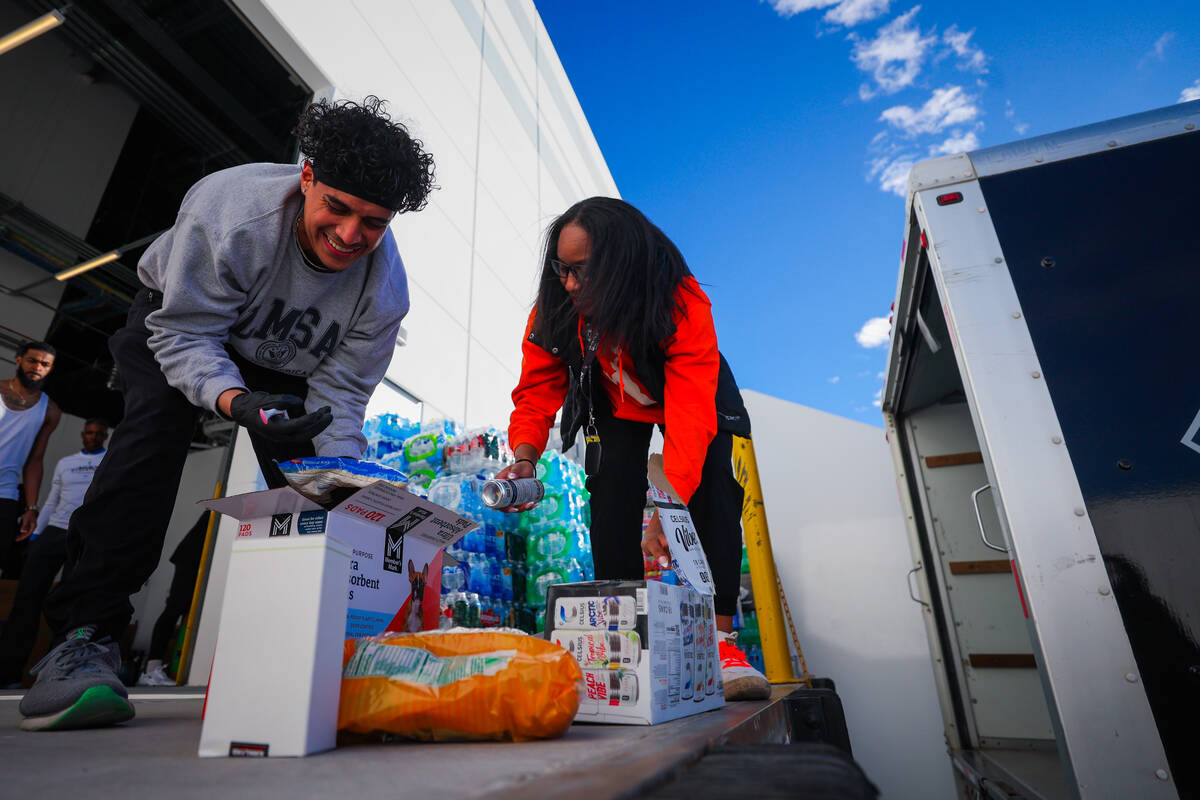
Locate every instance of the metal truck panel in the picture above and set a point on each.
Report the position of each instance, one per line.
(1105, 728)
(1103, 252)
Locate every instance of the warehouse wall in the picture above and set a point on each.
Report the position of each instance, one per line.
(480, 84)
(841, 549)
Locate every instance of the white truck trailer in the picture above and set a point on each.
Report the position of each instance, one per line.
(1042, 402)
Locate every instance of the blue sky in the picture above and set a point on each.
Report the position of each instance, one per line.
(771, 141)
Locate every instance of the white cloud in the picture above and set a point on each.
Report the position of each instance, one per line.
(789, 8)
(957, 142)
(947, 106)
(835, 379)
(874, 332)
(844, 12)
(894, 57)
(852, 12)
(892, 172)
(878, 401)
(1159, 50)
(1190, 93)
(970, 57)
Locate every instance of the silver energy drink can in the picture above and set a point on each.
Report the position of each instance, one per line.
(610, 687)
(616, 613)
(507, 492)
(610, 649)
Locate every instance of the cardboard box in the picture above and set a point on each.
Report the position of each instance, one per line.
(301, 580)
(677, 671)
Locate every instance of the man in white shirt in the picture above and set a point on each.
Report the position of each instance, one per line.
(27, 418)
(48, 552)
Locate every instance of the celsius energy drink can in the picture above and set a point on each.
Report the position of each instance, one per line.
(687, 682)
(512, 492)
(618, 612)
(610, 649)
(702, 663)
(612, 687)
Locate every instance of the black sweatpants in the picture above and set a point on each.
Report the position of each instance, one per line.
(47, 555)
(116, 536)
(10, 528)
(619, 495)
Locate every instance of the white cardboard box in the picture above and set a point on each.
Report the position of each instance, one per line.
(678, 671)
(302, 580)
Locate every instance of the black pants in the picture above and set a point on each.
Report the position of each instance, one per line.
(116, 536)
(10, 528)
(47, 555)
(619, 495)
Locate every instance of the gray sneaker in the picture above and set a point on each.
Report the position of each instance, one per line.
(77, 686)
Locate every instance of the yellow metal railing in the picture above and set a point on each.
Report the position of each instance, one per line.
(768, 591)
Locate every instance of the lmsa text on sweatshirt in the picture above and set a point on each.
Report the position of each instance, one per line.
(231, 272)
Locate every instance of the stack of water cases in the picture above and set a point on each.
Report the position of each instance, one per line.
(505, 566)
(647, 649)
(558, 546)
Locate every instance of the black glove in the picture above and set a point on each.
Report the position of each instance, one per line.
(294, 427)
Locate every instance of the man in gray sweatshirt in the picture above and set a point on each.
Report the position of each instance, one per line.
(274, 301)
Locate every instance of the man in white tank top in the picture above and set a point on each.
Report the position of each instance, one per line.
(27, 418)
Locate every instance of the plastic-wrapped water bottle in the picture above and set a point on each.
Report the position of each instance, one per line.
(496, 576)
(550, 541)
(543, 578)
(515, 546)
(574, 571)
(506, 570)
(494, 541)
(446, 618)
(519, 573)
(480, 579)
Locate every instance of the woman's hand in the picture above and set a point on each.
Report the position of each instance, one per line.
(654, 542)
(523, 467)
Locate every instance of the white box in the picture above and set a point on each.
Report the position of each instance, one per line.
(302, 580)
(677, 631)
(277, 670)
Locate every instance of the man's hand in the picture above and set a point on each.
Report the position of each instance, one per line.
(252, 410)
(28, 524)
(654, 542)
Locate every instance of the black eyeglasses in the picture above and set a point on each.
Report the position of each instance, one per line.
(562, 269)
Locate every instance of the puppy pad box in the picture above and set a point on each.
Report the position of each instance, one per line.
(648, 650)
(301, 580)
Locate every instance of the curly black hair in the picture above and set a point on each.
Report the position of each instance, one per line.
(371, 156)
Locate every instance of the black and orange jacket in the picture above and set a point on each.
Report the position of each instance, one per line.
(691, 391)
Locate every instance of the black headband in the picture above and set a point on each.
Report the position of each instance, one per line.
(346, 183)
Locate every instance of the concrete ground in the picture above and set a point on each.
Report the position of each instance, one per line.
(155, 755)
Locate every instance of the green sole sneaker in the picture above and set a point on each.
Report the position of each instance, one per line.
(95, 708)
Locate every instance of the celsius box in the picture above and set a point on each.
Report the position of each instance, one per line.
(648, 649)
(301, 580)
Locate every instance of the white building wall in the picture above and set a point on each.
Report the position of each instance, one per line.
(479, 83)
(841, 549)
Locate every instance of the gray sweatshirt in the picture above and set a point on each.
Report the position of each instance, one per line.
(230, 271)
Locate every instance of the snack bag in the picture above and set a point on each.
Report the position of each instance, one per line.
(327, 480)
(458, 685)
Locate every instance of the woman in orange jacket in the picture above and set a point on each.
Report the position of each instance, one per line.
(621, 338)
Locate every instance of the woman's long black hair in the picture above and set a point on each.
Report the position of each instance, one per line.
(628, 285)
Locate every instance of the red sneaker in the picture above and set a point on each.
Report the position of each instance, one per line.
(742, 681)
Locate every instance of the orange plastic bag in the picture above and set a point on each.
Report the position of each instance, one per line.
(449, 686)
